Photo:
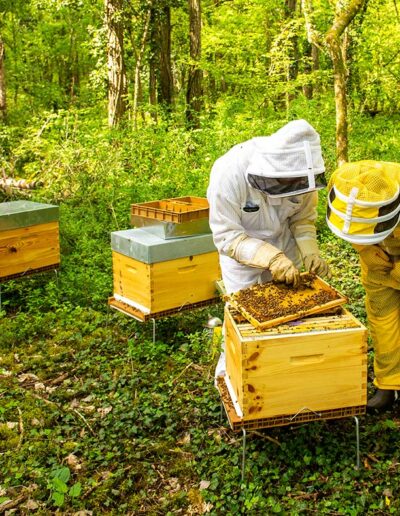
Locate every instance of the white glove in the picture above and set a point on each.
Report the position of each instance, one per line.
(312, 260)
(283, 270)
(256, 253)
(317, 265)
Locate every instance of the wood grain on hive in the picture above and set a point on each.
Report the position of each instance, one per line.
(316, 364)
(165, 285)
(29, 238)
(153, 275)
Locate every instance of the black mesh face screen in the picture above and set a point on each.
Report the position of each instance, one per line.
(285, 187)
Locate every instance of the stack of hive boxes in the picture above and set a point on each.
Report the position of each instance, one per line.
(29, 238)
(168, 262)
(290, 369)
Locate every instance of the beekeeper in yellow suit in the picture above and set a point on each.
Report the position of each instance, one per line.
(364, 209)
(263, 206)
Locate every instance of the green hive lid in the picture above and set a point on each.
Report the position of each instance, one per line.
(20, 214)
(148, 248)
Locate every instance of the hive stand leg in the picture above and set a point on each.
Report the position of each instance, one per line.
(154, 330)
(357, 442)
(244, 454)
(108, 315)
(57, 278)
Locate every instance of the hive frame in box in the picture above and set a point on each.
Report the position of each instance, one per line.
(318, 284)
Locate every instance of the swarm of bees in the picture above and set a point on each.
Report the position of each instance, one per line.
(275, 300)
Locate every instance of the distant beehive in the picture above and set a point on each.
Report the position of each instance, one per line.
(29, 238)
(153, 276)
(315, 367)
(168, 263)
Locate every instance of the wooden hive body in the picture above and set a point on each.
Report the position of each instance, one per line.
(29, 238)
(316, 364)
(161, 286)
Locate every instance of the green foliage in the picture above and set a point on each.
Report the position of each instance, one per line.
(58, 485)
(94, 415)
(114, 422)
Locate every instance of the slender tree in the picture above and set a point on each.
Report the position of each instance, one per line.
(332, 44)
(3, 98)
(117, 88)
(138, 65)
(293, 68)
(194, 91)
(166, 83)
(161, 84)
(311, 65)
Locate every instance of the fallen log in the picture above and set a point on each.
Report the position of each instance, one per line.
(20, 184)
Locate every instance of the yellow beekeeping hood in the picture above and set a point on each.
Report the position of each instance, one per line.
(364, 201)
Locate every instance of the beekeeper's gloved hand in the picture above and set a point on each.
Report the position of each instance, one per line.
(256, 253)
(374, 257)
(305, 235)
(317, 265)
(395, 272)
(283, 270)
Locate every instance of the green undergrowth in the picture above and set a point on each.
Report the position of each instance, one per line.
(94, 415)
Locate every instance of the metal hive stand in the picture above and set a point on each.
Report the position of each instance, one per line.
(303, 415)
(136, 314)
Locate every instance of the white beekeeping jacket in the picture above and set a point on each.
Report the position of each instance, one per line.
(236, 208)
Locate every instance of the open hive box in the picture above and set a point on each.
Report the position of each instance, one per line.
(178, 209)
(29, 238)
(172, 218)
(294, 367)
(271, 304)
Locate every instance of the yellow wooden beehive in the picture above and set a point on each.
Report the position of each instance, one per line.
(29, 238)
(153, 276)
(316, 365)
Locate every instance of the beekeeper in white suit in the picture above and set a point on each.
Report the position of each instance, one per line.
(263, 206)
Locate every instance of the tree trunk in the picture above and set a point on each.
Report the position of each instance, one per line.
(194, 92)
(139, 58)
(3, 98)
(153, 90)
(344, 15)
(293, 69)
(308, 87)
(116, 67)
(312, 65)
(166, 84)
(333, 41)
(339, 74)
